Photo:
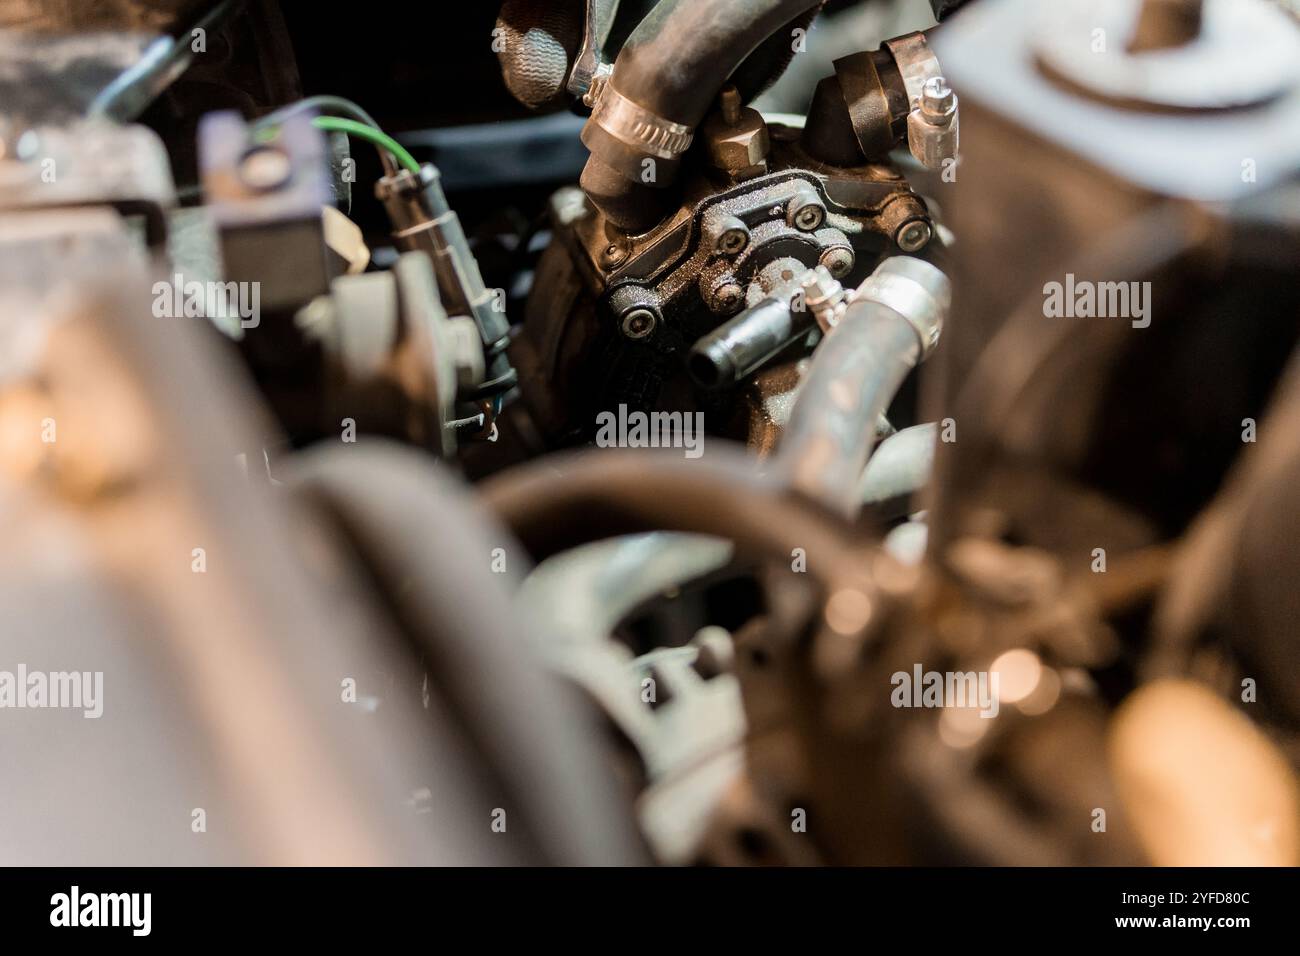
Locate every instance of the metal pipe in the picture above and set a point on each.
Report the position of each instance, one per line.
(892, 323)
(739, 347)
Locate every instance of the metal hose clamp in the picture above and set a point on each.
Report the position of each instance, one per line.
(916, 290)
(636, 126)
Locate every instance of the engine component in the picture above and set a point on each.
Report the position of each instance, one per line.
(422, 221)
(890, 325)
(875, 100)
(643, 120)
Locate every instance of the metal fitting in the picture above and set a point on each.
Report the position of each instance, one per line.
(932, 128)
(838, 261)
(722, 293)
(914, 236)
(916, 290)
(737, 137)
(823, 297)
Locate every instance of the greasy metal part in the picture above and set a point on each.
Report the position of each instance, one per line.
(732, 235)
(877, 99)
(736, 349)
(736, 137)
(739, 347)
(644, 117)
(916, 63)
(932, 129)
(891, 324)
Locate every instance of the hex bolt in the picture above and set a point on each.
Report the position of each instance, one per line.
(805, 211)
(725, 234)
(733, 241)
(723, 294)
(914, 236)
(838, 261)
(638, 323)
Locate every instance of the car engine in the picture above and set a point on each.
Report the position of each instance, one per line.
(629, 432)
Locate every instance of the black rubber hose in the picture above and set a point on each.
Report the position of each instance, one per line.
(673, 65)
(562, 501)
(678, 57)
(430, 549)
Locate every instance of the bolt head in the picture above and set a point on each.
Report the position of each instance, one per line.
(733, 241)
(726, 298)
(914, 236)
(808, 217)
(838, 261)
(613, 254)
(638, 323)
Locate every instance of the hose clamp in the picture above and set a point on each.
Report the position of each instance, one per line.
(918, 291)
(637, 127)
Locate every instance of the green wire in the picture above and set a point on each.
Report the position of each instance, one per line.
(370, 135)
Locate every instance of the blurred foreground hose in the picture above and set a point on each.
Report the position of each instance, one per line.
(430, 549)
(562, 501)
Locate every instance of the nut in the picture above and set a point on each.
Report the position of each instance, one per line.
(740, 147)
